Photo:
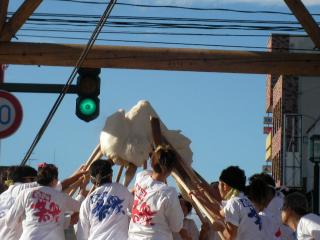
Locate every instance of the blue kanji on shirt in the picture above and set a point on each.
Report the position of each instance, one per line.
(253, 213)
(105, 204)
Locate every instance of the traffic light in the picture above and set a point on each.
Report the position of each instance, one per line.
(88, 89)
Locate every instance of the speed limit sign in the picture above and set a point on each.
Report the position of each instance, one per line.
(10, 114)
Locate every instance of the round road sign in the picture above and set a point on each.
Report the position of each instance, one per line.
(10, 114)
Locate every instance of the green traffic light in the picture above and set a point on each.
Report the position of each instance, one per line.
(87, 106)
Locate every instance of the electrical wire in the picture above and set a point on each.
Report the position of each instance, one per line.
(170, 43)
(69, 30)
(80, 61)
(122, 24)
(65, 17)
(184, 7)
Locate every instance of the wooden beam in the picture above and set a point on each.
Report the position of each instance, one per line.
(306, 20)
(3, 12)
(174, 59)
(18, 19)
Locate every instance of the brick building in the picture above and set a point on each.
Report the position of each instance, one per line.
(294, 104)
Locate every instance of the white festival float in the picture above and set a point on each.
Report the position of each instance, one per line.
(129, 138)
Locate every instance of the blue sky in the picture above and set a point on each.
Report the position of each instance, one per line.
(221, 113)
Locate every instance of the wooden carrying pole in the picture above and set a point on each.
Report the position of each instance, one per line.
(187, 180)
(119, 173)
(306, 20)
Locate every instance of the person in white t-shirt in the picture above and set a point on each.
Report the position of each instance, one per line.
(295, 215)
(271, 214)
(261, 193)
(42, 208)
(242, 220)
(188, 224)
(104, 214)
(156, 211)
(21, 177)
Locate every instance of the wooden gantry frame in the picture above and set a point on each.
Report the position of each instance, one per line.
(157, 58)
(160, 59)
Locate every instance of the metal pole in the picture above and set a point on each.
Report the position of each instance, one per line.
(316, 188)
(36, 88)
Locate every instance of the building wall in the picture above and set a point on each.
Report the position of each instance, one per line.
(308, 107)
(277, 43)
(291, 95)
(274, 104)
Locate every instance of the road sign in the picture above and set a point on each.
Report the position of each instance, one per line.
(10, 114)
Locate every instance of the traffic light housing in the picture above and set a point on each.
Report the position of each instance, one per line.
(88, 90)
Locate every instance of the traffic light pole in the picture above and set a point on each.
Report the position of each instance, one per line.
(36, 88)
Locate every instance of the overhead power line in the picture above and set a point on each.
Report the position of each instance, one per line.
(86, 17)
(185, 8)
(166, 25)
(168, 43)
(81, 59)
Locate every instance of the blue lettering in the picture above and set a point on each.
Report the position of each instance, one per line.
(253, 213)
(105, 204)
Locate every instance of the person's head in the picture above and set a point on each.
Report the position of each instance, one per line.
(259, 192)
(22, 174)
(294, 207)
(101, 172)
(47, 175)
(163, 160)
(186, 206)
(232, 177)
(267, 178)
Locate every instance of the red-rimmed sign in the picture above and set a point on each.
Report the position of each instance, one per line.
(10, 114)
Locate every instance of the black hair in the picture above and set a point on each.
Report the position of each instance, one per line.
(46, 174)
(214, 183)
(101, 172)
(22, 173)
(234, 177)
(9, 173)
(267, 179)
(259, 191)
(163, 159)
(297, 202)
(187, 203)
(4, 171)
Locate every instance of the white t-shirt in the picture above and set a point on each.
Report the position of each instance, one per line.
(156, 211)
(270, 228)
(273, 211)
(104, 213)
(190, 226)
(240, 212)
(7, 199)
(309, 227)
(43, 209)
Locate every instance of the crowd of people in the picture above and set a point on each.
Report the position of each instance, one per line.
(36, 207)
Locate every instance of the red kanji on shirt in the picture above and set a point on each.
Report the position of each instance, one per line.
(141, 213)
(46, 210)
